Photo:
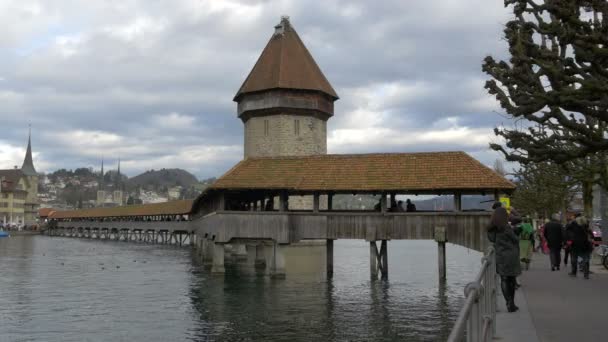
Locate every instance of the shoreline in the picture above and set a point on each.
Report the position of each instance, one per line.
(12, 233)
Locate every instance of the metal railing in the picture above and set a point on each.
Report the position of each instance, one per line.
(478, 314)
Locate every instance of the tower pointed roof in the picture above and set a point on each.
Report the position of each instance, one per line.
(28, 163)
(286, 63)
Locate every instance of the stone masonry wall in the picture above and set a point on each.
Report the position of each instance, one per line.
(279, 135)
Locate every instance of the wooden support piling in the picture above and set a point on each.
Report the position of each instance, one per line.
(373, 260)
(329, 247)
(440, 237)
(384, 256)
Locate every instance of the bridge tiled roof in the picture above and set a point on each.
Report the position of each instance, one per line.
(416, 172)
(167, 208)
(45, 212)
(286, 63)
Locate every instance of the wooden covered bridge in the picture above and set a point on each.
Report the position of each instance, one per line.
(268, 203)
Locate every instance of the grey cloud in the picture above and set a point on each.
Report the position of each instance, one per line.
(194, 57)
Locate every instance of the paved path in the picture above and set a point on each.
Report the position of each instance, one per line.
(556, 307)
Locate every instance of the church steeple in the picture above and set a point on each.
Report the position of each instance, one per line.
(118, 183)
(28, 164)
(101, 177)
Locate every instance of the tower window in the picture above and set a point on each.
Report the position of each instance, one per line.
(266, 127)
(296, 127)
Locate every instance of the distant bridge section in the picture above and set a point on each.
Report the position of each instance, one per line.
(166, 223)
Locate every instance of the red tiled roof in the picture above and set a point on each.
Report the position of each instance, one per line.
(45, 212)
(285, 63)
(422, 172)
(168, 208)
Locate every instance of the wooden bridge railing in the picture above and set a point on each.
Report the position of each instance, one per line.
(462, 228)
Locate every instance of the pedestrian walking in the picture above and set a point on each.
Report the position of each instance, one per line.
(582, 245)
(506, 245)
(526, 243)
(554, 235)
(568, 238)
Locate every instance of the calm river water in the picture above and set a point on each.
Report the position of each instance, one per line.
(65, 289)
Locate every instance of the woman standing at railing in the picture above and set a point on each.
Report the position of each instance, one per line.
(506, 245)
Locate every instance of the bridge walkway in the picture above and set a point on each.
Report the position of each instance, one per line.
(555, 307)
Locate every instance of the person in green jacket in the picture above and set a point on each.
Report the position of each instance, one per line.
(526, 242)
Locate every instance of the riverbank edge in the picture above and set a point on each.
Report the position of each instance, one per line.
(22, 232)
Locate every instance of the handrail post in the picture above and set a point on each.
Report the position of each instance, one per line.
(494, 292)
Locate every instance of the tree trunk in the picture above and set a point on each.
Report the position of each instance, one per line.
(588, 198)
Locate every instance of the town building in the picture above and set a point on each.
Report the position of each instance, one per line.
(19, 193)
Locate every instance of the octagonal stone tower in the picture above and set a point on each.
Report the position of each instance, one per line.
(286, 100)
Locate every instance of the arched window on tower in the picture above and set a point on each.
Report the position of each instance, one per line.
(266, 128)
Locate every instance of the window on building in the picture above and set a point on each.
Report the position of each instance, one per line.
(266, 127)
(296, 127)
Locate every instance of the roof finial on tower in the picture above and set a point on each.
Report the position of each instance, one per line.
(280, 28)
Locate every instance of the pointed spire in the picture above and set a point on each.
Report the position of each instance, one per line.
(102, 176)
(28, 164)
(118, 184)
(286, 63)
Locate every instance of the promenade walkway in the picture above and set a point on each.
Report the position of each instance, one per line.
(555, 307)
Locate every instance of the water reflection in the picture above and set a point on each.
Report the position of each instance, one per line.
(411, 306)
(61, 289)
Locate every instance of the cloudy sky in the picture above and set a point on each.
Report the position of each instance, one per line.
(152, 82)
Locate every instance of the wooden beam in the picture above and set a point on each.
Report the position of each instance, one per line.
(457, 202)
(283, 201)
(222, 201)
(383, 202)
(315, 202)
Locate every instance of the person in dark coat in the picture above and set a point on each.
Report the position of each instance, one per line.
(506, 245)
(581, 245)
(568, 238)
(554, 235)
(409, 206)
